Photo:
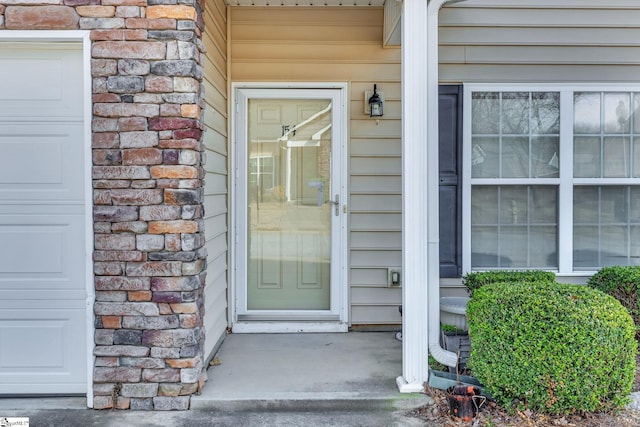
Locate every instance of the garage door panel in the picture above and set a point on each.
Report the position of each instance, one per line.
(42, 162)
(37, 81)
(41, 252)
(26, 355)
(45, 77)
(28, 251)
(45, 359)
(22, 173)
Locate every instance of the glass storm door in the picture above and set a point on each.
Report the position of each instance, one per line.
(291, 202)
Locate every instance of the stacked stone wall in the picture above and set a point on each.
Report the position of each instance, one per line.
(149, 256)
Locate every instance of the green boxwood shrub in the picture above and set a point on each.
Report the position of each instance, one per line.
(478, 279)
(623, 283)
(550, 347)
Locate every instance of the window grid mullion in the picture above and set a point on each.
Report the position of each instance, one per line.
(499, 228)
(528, 226)
(602, 137)
(530, 161)
(599, 225)
(628, 225)
(565, 185)
(500, 175)
(632, 136)
(529, 175)
(500, 146)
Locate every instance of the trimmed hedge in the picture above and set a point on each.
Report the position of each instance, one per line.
(475, 280)
(622, 283)
(552, 348)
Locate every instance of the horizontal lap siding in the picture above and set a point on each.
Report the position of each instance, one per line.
(342, 45)
(375, 186)
(506, 41)
(215, 203)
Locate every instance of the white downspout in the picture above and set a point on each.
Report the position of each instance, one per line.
(443, 356)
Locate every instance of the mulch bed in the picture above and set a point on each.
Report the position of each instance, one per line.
(492, 415)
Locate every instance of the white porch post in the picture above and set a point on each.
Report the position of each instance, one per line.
(414, 187)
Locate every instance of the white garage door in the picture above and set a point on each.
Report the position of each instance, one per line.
(42, 207)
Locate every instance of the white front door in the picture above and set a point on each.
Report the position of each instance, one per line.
(290, 145)
(43, 337)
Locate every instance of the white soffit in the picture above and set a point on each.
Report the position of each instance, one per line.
(289, 3)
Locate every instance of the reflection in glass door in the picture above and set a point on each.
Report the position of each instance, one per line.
(290, 204)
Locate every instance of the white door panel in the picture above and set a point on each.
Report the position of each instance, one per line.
(40, 81)
(41, 162)
(37, 350)
(41, 252)
(43, 327)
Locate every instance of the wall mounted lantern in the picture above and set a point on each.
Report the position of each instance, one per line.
(375, 103)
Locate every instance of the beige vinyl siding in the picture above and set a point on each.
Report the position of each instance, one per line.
(342, 45)
(375, 186)
(506, 41)
(215, 198)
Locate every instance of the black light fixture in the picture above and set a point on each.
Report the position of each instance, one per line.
(375, 103)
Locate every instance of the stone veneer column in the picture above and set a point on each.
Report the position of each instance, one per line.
(149, 257)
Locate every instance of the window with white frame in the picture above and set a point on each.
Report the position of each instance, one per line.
(551, 178)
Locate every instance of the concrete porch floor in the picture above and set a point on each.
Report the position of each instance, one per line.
(355, 370)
